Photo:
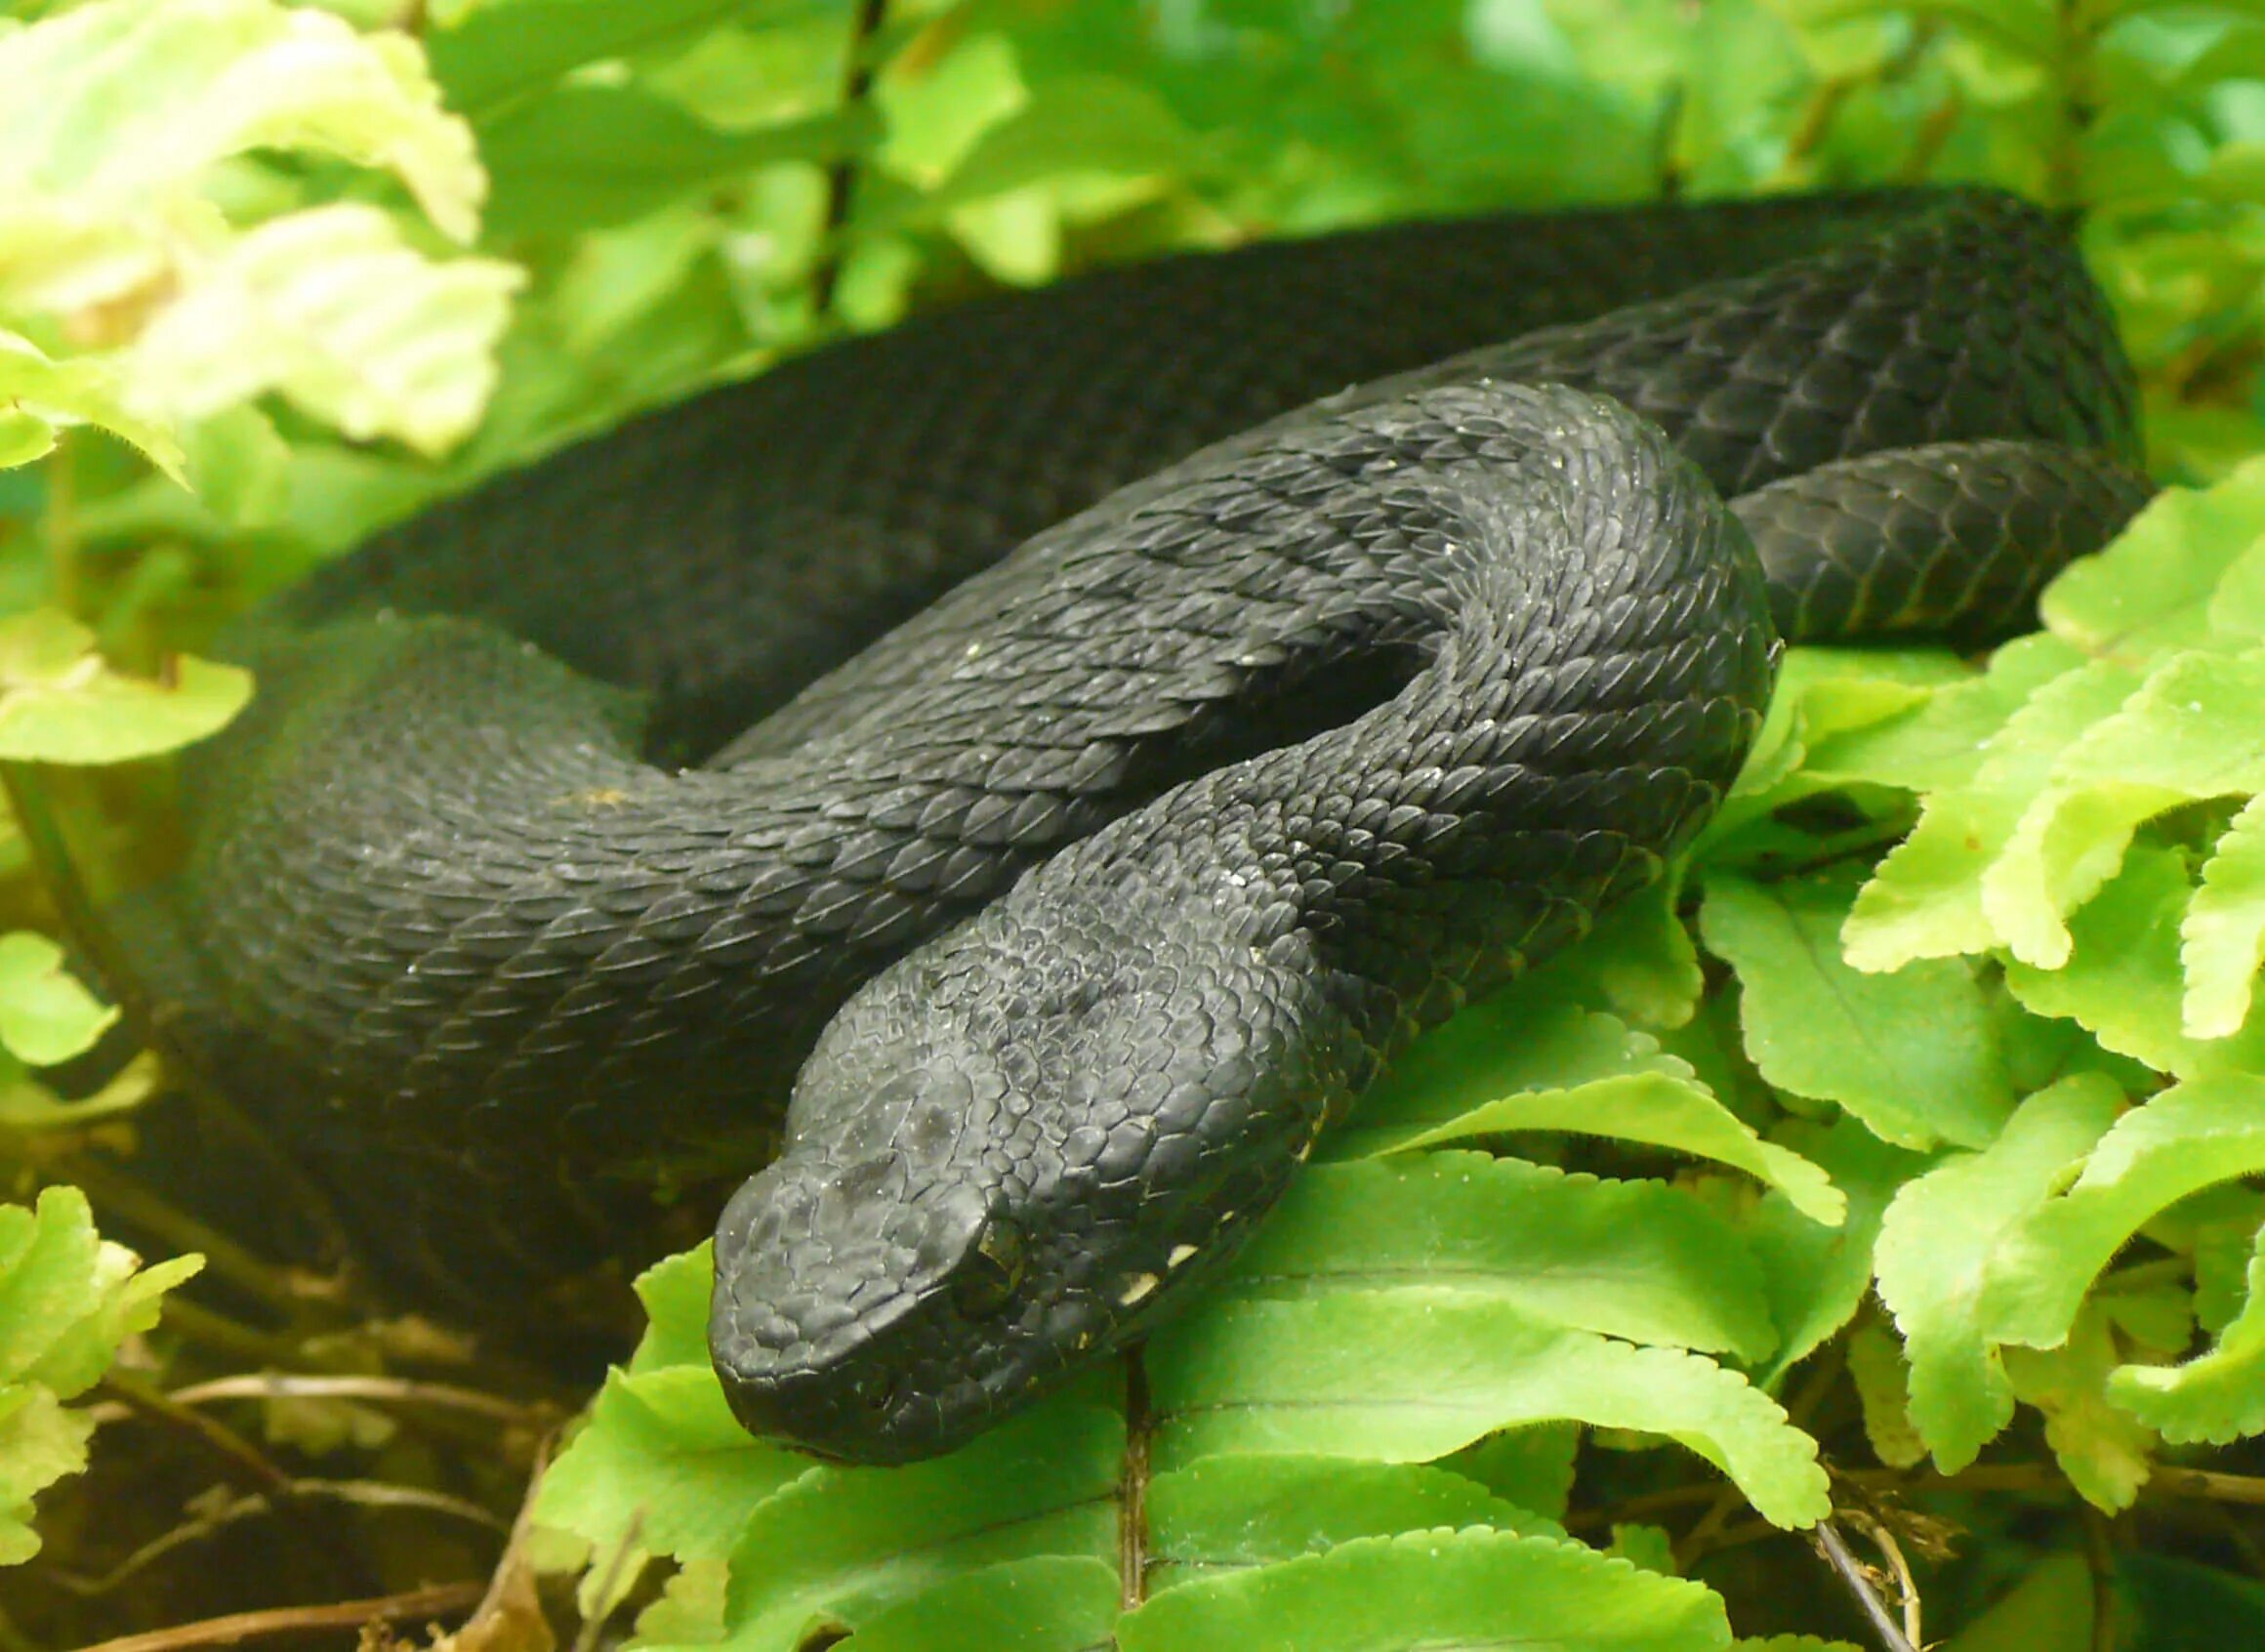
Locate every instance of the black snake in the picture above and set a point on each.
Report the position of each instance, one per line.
(1110, 877)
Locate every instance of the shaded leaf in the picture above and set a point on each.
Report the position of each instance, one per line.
(1434, 1589)
(1231, 1513)
(1411, 1373)
(1912, 1054)
(1638, 1260)
(1935, 1254)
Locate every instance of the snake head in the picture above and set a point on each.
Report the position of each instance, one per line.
(1008, 1155)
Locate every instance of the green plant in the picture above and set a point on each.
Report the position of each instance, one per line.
(1919, 1122)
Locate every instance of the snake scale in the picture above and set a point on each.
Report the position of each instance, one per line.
(569, 824)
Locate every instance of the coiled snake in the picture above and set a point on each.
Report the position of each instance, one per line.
(1084, 899)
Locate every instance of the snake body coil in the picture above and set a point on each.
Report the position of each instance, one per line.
(1109, 878)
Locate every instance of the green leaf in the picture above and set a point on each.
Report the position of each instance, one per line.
(675, 1291)
(1638, 1260)
(1659, 1110)
(46, 1015)
(1519, 1041)
(69, 1298)
(2216, 1396)
(2167, 745)
(2189, 1138)
(1046, 1603)
(502, 52)
(2122, 982)
(60, 703)
(2152, 590)
(660, 1454)
(1434, 1589)
(586, 156)
(843, 1545)
(1411, 1373)
(110, 110)
(1912, 1054)
(333, 308)
(1818, 1276)
(1935, 1259)
(1229, 1513)
(2222, 937)
(1926, 900)
(42, 396)
(1882, 1378)
(2106, 1454)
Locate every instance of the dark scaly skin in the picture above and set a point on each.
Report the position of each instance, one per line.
(1386, 699)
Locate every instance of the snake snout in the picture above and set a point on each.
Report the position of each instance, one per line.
(839, 1289)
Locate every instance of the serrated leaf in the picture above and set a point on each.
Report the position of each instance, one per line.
(2217, 1396)
(115, 107)
(2192, 1136)
(1528, 1467)
(843, 1545)
(334, 311)
(1936, 744)
(2169, 743)
(1434, 1589)
(1411, 1373)
(39, 395)
(2151, 590)
(60, 703)
(1232, 1512)
(1882, 1379)
(1046, 1603)
(1822, 693)
(1935, 1251)
(1658, 1110)
(2122, 982)
(661, 1453)
(46, 1015)
(1519, 1040)
(40, 1443)
(1925, 899)
(2222, 937)
(1912, 1054)
(1637, 1259)
(69, 1298)
(676, 1292)
(1818, 1276)
(2106, 1454)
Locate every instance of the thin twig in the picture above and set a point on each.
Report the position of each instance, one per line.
(1834, 1548)
(842, 175)
(214, 1436)
(237, 1626)
(252, 1505)
(1907, 1586)
(383, 1390)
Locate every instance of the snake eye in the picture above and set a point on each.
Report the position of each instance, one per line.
(986, 1280)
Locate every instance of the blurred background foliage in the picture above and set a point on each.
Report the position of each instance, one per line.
(262, 252)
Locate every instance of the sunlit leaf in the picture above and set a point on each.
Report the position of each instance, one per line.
(60, 702)
(1936, 1254)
